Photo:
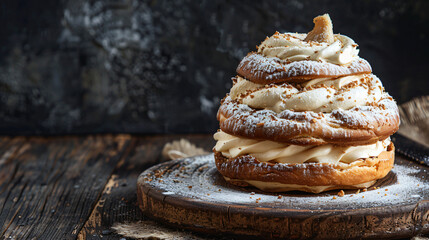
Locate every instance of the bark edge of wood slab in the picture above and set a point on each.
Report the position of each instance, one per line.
(190, 193)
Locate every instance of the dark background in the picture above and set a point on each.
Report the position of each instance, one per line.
(162, 66)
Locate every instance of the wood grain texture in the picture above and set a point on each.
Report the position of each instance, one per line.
(414, 120)
(49, 186)
(190, 193)
(118, 203)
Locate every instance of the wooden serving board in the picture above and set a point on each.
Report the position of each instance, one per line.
(190, 193)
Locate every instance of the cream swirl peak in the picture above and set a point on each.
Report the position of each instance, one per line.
(320, 44)
(317, 95)
(293, 47)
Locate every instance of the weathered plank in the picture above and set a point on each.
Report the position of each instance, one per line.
(119, 200)
(9, 148)
(54, 184)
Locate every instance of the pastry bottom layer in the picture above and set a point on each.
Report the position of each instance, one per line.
(247, 170)
(282, 187)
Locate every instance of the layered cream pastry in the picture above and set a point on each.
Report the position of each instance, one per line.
(306, 113)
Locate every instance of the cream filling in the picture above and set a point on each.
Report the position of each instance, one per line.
(283, 187)
(292, 47)
(264, 150)
(317, 95)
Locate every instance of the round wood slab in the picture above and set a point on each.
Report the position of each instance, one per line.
(190, 193)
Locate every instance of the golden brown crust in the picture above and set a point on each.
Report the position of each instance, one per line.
(311, 174)
(264, 70)
(358, 126)
(322, 31)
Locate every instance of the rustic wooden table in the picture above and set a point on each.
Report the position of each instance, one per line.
(75, 187)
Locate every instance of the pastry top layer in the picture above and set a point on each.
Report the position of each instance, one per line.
(265, 70)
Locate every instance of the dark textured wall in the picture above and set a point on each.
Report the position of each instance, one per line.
(162, 66)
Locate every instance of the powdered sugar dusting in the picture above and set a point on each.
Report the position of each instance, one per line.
(269, 69)
(369, 121)
(197, 178)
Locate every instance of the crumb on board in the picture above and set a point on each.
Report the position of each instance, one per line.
(341, 193)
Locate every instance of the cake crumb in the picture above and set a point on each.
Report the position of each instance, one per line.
(341, 193)
(279, 197)
(364, 190)
(334, 197)
(358, 191)
(189, 187)
(322, 31)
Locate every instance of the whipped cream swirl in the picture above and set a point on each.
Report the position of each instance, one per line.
(292, 47)
(232, 146)
(318, 95)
